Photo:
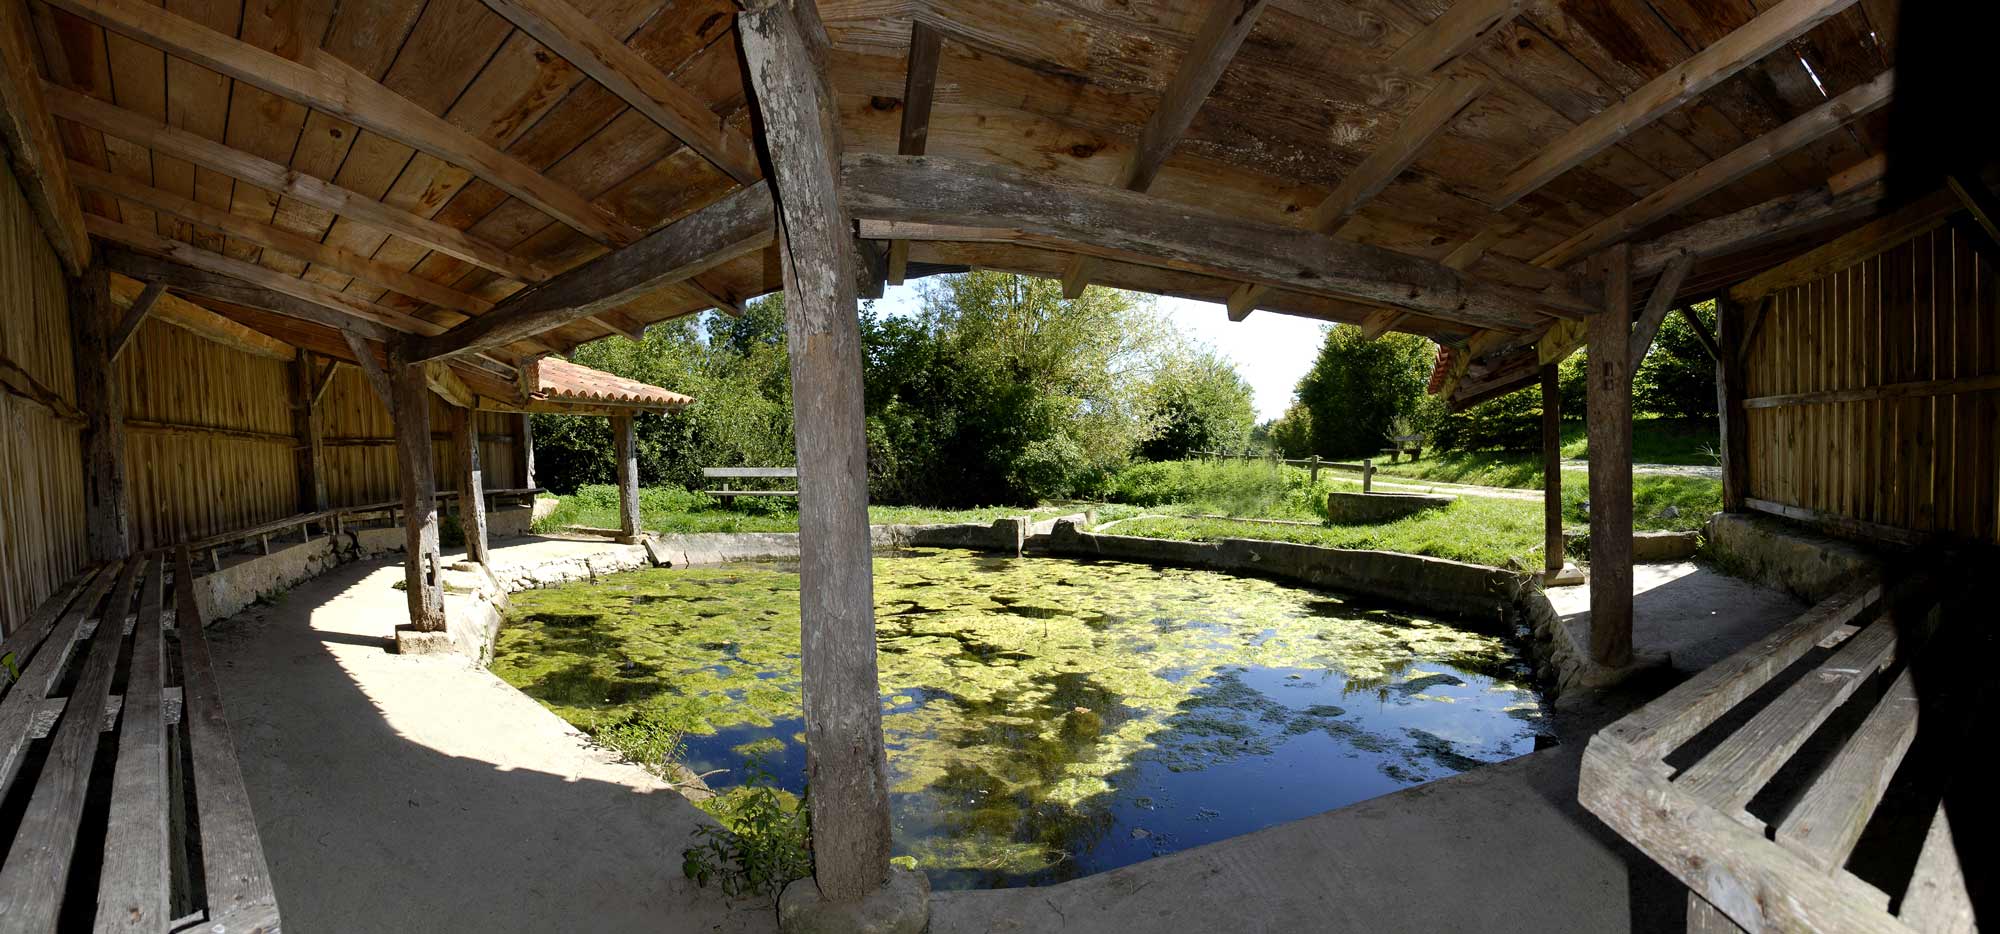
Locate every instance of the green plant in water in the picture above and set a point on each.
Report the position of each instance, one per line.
(764, 842)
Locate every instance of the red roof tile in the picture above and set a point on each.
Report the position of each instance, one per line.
(559, 380)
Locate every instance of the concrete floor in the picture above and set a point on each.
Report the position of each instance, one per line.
(420, 793)
(1693, 615)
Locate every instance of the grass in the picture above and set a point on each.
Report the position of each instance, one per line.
(1483, 531)
(677, 511)
(1677, 442)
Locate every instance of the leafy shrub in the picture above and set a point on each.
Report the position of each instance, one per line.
(765, 840)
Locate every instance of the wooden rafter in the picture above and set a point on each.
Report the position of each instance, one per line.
(371, 368)
(1657, 305)
(1381, 322)
(1922, 215)
(572, 34)
(1701, 332)
(1980, 202)
(913, 137)
(1676, 86)
(279, 179)
(325, 83)
(714, 297)
(740, 223)
(135, 315)
(1451, 34)
(188, 316)
(1222, 32)
(1441, 106)
(1750, 157)
(29, 136)
(1119, 224)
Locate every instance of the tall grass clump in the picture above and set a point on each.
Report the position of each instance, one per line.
(1237, 488)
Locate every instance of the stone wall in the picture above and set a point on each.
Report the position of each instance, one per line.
(1779, 555)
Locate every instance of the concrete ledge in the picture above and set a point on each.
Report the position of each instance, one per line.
(1007, 535)
(1370, 508)
(1772, 552)
(1657, 547)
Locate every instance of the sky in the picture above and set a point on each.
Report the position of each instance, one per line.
(1271, 351)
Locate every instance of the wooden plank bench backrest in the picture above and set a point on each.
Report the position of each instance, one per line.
(53, 755)
(720, 473)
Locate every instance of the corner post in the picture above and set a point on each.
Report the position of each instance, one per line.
(1731, 320)
(626, 449)
(845, 761)
(524, 450)
(412, 413)
(471, 483)
(100, 394)
(1552, 478)
(1609, 333)
(305, 425)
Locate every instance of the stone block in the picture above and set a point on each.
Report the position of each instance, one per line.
(1661, 547)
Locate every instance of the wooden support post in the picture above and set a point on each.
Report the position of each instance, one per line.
(471, 485)
(1609, 333)
(845, 760)
(412, 411)
(524, 451)
(100, 395)
(1552, 478)
(1732, 321)
(1367, 475)
(1314, 468)
(305, 424)
(626, 452)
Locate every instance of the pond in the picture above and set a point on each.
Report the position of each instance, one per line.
(1045, 718)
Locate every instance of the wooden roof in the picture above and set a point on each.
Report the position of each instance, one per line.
(418, 163)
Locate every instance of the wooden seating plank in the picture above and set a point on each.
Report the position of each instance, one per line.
(133, 891)
(40, 674)
(736, 472)
(1938, 901)
(1730, 775)
(1824, 825)
(238, 879)
(37, 867)
(1691, 706)
(24, 641)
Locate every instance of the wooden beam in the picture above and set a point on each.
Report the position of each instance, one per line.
(1920, 216)
(279, 239)
(1676, 86)
(422, 567)
(1769, 222)
(1904, 390)
(843, 709)
(471, 483)
(1701, 333)
(28, 134)
(378, 378)
(1381, 322)
(135, 315)
(311, 453)
(1718, 174)
(919, 91)
(324, 379)
(1610, 429)
(1859, 175)
(1119, 224)
(572, 34)
(739, 223)
(524, 451)
(206, 324)
(714, 297)
(1981, 204)
(1439, 108)
(448, 386)
(325, 83)
(281, 180)
(1665, 289)
(100, 396)
(1452, 34)
(1222, 31)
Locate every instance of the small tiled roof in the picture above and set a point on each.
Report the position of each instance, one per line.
(559, 380)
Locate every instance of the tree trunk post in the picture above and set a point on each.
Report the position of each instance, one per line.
(1609, 333)
(471, 484)
(1730, 321)
(626, 446)
(412, 413)
(845, 761)
(1552, 478)
(100, 395)
(524, 450)
(305, 424)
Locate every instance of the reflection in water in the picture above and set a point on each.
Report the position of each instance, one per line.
(1045, 718)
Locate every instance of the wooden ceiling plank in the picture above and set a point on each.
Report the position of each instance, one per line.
(1222, 32)
(919, 91)
(29, 134)
(275, 238)
(325, 83)
(740, 223)
(88, 111)
(1689, 188)
(1451, 34)
(1706, 68)
(576, 37)
(1439, 108)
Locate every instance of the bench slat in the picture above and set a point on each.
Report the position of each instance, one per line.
(719, 473)
(1824, 825)
(39, 675)
(726, 494)
(233, 866)
(133, 888)
(37, 868)
(23, 642)
(1938, 901)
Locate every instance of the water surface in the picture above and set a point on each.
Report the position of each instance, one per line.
(1045, 718)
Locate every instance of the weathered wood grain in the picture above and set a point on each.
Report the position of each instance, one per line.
(1768, 222)
(29, 137)
(133, 885)
(1609, 424)
(471, 483)
(1825, 823)
(421, 564)
(107, 503)
(1657, 305)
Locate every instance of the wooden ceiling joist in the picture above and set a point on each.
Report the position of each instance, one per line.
(270, 176)
(188, 316)
(1924, 214)
(1119, 224)
(142, 257)
(325, 83)
(1750, 157)
(29, 136)
(1676, 86)
(1774, 220)
(1222, 32)
(740, 223)
(1439, 108)
(913, 136)
(576, 37)
(1451, 34)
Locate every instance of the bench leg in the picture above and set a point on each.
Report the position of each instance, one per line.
(1704, 918)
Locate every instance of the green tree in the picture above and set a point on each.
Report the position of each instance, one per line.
(1196, 402)
(1677, 377)
(1291, 433)
(1357, 389)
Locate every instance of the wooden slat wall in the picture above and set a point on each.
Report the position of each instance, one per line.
(188, 484)
(1924, 310)
(359, 474)
(41, 487)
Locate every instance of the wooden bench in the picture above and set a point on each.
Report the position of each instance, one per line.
(135, 815)
(1736, 726)
(1400, 445)
(726, 474)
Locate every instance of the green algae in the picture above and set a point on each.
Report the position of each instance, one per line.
(1019, 694)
